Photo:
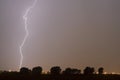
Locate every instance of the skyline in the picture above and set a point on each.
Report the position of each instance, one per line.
(65, 33)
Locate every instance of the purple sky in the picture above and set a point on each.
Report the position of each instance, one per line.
(67, 33)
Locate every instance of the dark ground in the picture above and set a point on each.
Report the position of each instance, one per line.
(18, 76)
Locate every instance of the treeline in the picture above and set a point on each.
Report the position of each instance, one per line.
(56, 70)
(56, 73)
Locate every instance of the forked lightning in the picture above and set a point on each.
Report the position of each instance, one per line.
(25, 17)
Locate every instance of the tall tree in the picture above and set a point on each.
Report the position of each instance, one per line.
(89, 70)
(100, 70)
(56, 70)
(25, 70)
(37, 70)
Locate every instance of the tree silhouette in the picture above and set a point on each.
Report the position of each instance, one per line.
(37, 70)
(89, 70)
(67, 71)
(76, 71)
(55, 74)
(100, 70)
(70, 71)
(24, 70)
(56, 70)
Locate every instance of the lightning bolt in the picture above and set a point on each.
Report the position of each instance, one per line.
(25, 18)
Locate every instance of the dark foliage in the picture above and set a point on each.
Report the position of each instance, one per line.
(56, 70)
(70, 71)
(37, 70)
(25, 71)
(89, 70)
(100, 70)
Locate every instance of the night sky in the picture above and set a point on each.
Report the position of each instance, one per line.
(66, 33)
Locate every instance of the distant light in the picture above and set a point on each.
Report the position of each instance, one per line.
(105, 72)
(97, 72)
(113, 73)
(10, 70)
(118, 73)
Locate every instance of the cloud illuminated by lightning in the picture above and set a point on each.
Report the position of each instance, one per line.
(25, 17)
